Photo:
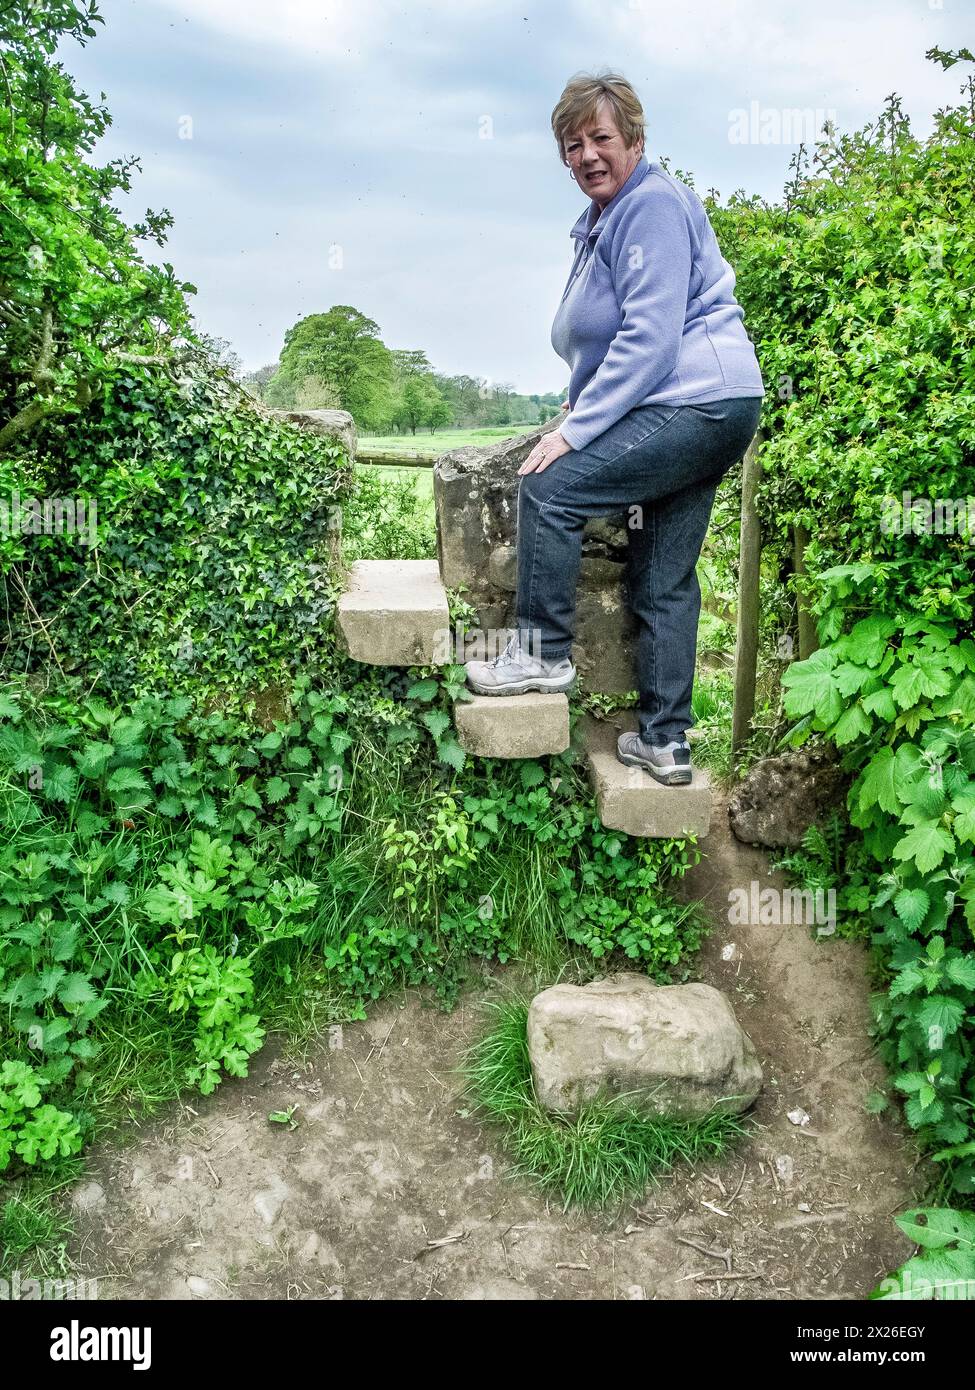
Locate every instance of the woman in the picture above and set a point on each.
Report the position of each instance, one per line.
(665, 394)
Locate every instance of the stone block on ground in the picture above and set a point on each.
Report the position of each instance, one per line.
(629, 799)
(781, 797)
(394, 613)
(513, 726)
(677, 1050)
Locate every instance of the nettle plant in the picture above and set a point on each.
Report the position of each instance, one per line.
(899, 698)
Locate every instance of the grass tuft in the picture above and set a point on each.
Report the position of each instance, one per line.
(606, 1153)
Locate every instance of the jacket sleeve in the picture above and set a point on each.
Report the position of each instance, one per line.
(650, 262)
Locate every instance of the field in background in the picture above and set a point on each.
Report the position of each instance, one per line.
(420, 478)
(431, 446)
(425, 442)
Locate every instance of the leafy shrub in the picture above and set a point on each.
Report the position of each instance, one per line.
(29, 1130)
(945, 1268)
(899, 698)
(832, 859)
(160, 863)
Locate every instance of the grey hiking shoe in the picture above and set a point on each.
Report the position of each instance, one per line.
(669, 763)
(514, 671)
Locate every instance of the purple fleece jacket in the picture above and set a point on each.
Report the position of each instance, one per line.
(649, 315)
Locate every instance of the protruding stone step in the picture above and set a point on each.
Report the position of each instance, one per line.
(629, 799)
(513, 726)
(394, 613)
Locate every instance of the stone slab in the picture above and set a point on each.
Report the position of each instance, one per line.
(394, 613)
(513, 726)
(629, 799)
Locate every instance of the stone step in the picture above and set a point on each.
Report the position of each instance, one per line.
(394, 613)
(513, 726)
(629, 799)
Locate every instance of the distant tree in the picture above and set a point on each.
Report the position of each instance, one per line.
(342, 351)
(440, 414)
(410, 362)
(420, 396)
(314, 393)
(256, 382)
(501, 394)
(222, 354)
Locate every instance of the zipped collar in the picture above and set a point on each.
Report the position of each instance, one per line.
(591, 221)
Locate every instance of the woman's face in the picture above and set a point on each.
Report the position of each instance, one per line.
(598, 157)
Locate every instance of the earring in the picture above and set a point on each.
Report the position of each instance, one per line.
(572, 175)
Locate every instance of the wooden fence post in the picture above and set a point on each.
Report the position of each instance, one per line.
(749, 561)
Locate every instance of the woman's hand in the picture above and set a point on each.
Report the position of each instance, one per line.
(546, 451)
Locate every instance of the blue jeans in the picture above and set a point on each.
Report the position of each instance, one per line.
(660, 465)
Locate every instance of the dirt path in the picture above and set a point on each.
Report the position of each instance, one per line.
(216, 1202)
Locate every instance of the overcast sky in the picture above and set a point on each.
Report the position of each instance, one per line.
(399, 157)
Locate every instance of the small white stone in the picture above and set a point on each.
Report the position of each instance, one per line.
(197, 1286)
(798, 1117)
(268, 1203)
(89, 1198)
(729, 952)
(804, 1206)
(784, 1167)
(310, 1248)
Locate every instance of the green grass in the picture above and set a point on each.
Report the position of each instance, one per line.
(418, 481)
(712, 706)
(423, 442)
(607, 1153)
(391, 515)
(35, 1227)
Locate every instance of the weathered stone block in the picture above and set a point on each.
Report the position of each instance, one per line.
(394, 613)
(629, 799)
(334, 422)
(476, 498)
(782, 797)
(513, 726)
(678, 1049)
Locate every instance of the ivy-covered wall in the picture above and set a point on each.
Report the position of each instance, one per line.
(214, 563)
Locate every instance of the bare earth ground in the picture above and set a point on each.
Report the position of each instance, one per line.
(216, 1202)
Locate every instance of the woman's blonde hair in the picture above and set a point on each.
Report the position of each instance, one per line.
(579, 104)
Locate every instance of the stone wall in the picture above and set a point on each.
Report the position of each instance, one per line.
(338, 423)
(476, 496)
